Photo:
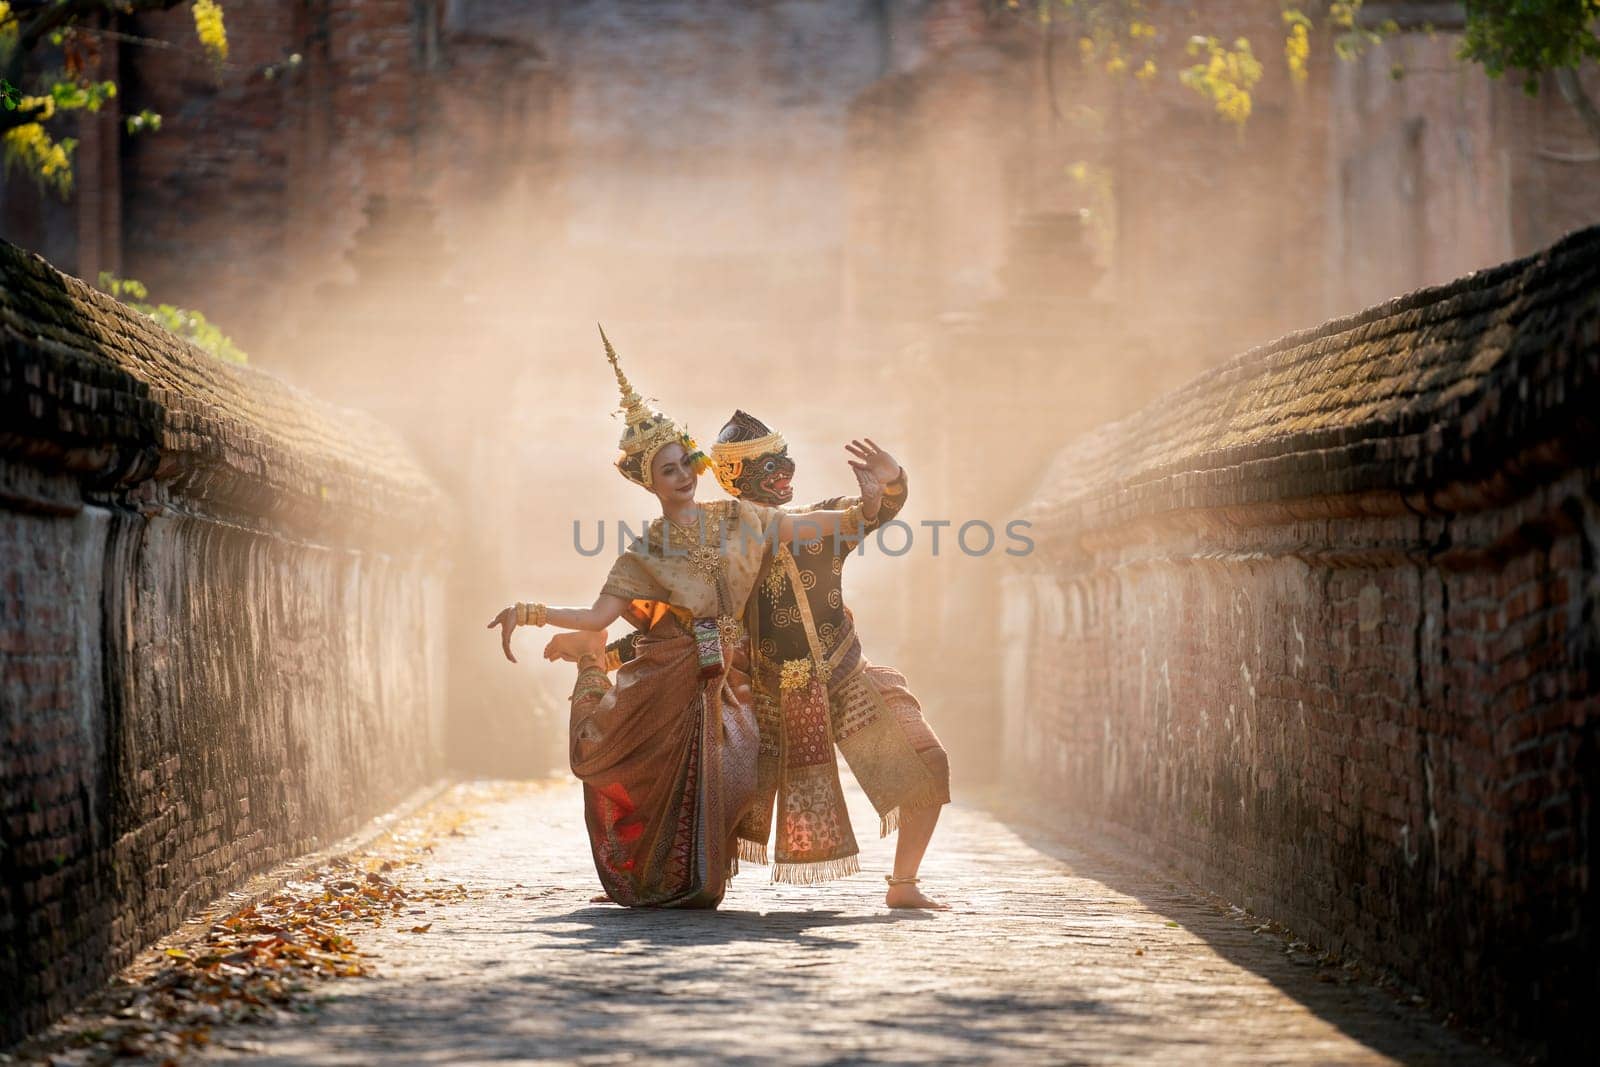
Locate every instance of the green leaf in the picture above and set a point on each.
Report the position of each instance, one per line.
(189, 325)
(145, 121)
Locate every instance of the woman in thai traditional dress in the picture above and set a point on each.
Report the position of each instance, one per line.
(667, 755)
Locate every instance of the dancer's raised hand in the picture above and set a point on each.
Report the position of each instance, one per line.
(871, 490)
(873, 467)
(884, 467)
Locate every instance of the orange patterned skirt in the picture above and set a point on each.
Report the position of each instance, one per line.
(668, 765)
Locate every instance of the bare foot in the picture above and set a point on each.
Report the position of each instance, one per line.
(909, 896)
(601, 898)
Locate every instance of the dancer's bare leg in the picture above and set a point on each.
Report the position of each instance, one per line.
(916, 830)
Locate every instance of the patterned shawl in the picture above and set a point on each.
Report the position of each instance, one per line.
(806, 706)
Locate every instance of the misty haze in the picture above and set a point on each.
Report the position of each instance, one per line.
(1077, 541)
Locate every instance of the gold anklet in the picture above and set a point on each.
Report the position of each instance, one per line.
(892, 880)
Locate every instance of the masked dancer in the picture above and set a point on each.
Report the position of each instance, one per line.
(814, 690)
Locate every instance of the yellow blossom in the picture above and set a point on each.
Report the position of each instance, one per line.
(1226, 77)
(1297, 50)
(31, 147)
(209, 29)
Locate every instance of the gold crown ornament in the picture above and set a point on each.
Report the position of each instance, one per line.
(647, 432)
(728, 457)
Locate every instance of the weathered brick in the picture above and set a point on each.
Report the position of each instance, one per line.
(1383, 724)
(210, 567)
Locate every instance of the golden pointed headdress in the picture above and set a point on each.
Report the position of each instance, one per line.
(647, 432)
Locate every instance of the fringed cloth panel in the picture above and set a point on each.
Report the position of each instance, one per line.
(877, 724)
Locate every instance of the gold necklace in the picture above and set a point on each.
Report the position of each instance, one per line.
(705, 559)
(685, 533)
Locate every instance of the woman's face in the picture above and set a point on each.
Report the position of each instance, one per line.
(672, 479)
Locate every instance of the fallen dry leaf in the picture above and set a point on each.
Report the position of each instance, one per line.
(256, 962)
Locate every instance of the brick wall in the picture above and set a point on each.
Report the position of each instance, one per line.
(1321, 629)
(251, 190)
(218, 630)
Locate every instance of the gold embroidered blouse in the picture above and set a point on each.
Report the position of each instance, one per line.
(706, 570)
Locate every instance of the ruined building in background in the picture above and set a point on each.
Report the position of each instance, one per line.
(849, 170)
(861, 214)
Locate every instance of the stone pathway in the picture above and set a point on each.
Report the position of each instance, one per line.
(1053, 954)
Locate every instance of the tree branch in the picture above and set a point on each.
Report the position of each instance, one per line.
(10, 120)
(51, 19)
(57, 15)
(1413, 15)
(48, 17)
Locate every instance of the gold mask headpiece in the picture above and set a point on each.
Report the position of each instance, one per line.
(647, 432)
(728, 457)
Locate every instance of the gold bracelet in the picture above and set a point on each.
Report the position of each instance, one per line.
(538, 614)
(522, 614)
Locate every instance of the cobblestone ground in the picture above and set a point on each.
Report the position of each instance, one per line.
(1054, 952)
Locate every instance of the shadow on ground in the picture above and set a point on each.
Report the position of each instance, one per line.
(1383, 1020)
(1056, 951)
(612, 926)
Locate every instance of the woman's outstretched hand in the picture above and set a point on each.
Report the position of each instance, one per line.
(507, 621)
